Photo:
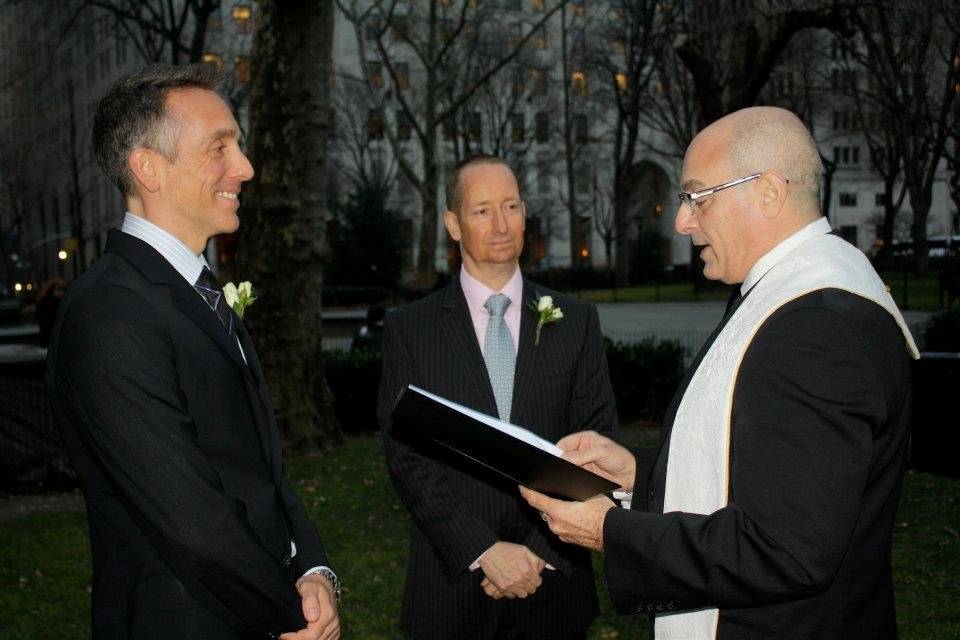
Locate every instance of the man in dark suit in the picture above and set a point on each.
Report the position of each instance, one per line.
(804, 391)
(482, 564)
(194, 531)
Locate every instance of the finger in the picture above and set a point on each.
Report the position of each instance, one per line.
(576, 440)
(540, 502)
(581, 457)
(311, 604)
(332, 631)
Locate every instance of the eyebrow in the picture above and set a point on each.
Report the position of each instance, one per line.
(691, 185)
(224, 133)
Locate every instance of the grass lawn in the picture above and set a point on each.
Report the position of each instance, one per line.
(45, 564)
(922, 293)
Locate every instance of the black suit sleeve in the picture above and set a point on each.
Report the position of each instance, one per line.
(456, 534)
(310, 551)
(805, 411)
(116, 376)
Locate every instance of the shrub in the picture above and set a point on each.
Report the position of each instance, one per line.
(644, 376)
(354, 379)
(942, 332)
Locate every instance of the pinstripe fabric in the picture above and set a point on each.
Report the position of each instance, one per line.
(560, 386)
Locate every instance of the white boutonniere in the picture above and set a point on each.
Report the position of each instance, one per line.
(546, 313)
(239, 297)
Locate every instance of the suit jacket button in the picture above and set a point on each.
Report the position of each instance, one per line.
(650, 495)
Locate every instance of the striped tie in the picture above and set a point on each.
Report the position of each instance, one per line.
(499, 354)
(212, 292)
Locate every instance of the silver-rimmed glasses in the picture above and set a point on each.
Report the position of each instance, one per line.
(692, 198)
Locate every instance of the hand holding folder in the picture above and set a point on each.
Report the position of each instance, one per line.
(420, 417)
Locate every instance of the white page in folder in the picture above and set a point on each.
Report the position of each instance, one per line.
(510, 429)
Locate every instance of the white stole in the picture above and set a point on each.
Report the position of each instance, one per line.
(698, 460)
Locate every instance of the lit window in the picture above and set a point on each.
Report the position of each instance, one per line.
(242, 68)
(579, 7)
(516, 34)
(579, 83)
(242, 15)
(213, 60)
(619, 46)
(538, 5)
(539, 81)
(622, 81)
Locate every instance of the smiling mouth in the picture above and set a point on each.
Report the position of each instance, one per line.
(228, 195)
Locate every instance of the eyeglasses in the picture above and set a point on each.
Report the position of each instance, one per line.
(690, 199)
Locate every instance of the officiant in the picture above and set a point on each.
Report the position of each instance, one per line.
(482, 564)
(768, 510)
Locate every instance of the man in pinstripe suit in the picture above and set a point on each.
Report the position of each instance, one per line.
(482, 564)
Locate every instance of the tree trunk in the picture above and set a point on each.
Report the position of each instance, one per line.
(921, 211)
(282, 234)
(427, 253)
(889, 215)
(621, 207)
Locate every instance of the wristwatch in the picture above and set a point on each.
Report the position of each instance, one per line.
(329, 575)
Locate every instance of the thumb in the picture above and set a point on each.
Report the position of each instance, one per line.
(311, 607)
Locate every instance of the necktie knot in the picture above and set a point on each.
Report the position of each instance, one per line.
(211, 291)
(497, 305)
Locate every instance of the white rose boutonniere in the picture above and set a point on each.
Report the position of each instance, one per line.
(239, 297)
(547, 312)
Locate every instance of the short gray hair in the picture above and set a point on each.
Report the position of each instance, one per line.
(133, 113)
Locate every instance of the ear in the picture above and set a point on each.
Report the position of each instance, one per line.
(773, 194)
(143, 165)
(452, 223)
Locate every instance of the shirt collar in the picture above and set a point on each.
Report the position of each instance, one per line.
(818, 227)
(167, 245)
(477, 293)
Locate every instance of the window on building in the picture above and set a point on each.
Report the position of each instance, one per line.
(513, 5)
(622, 82)
(375, 125)
(516, 34)
(243, 18)
(534, 243)
(213, 60)
(542, 127)
(579, 82)
(539, 81)
(474, 126)
(449, 129)
(581, 127)
(404, 127)
(373, 26)
(855, 155)
(540, 37)
(619, 46)
(405, 226)
(848, 199)
(849, 233)
(375, 74)
(845, 155)
(544, 176)
(519, 77)
(579, 7)
(401, 27)
(583, 240)
(242, 69)
(880, 200)
(538, 5)
(516, 127)
(402, 69)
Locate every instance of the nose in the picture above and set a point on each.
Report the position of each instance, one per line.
(686, 221)
(500, 221)
(243, 170)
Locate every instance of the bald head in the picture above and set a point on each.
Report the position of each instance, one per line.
(771, 139)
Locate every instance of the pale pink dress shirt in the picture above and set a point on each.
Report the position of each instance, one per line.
(477, 293)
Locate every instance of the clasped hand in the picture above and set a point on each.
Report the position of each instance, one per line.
(319, 610)
(510, 571)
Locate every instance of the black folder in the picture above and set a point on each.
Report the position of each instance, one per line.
(421, 421)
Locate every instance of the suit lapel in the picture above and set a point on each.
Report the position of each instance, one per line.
(257, 386)
(457, 329)
(528, 354)
(156, 268)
